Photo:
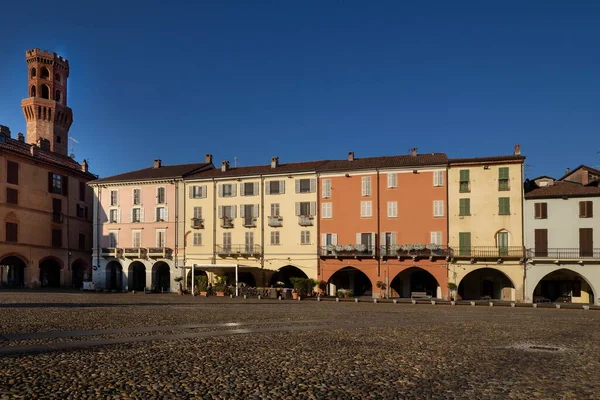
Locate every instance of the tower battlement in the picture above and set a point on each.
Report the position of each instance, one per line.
(48, 57)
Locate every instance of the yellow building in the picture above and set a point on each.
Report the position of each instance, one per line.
(485, 215)
(258, 222)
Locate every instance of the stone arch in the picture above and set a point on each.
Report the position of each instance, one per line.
(137, 276)
(198, 272)
(486, 282)
(562, 282)
(33, 72)
(284, 275)
(57, 77)
(50, 272)
(415, 279)
(45, 92)
(58, 95)
(12, 270)
(350, 278)
(79, 273)
(161, 276)
(114, 276)
(44, 73)
(33, 91)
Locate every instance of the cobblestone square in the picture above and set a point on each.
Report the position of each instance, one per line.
(136, 346)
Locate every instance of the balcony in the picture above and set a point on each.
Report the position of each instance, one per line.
(275, 221)
(227, 222)
(488, 252)
(348, 251)
(197, 223)
(249, 222)
(111, 252)
(235, 250)
(414, 251)
(159, 252)
(134, 252)
(306, 220)
(564, 254)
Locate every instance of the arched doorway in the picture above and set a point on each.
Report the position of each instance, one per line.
(414, 280)
(161, 276)
(352, 279)
(114, 276)
(284, 275)
(247, 278)
(78, 269)
(50, 273)
(197, 274)
(12, 272)
(563, 286)
(137, 276)
(486, 284)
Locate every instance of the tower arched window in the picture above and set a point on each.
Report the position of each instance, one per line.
(33, 91)
(45, 92)
(44, 73)
(57, 77)
(58, 96)
(33, 72)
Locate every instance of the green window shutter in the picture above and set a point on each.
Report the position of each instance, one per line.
(465, 207)
(464, 243)
(504, 206)
(464, 175)
(503, 173)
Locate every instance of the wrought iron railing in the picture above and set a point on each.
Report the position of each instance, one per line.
(348, 251)
(238, 249)
(564, 253)
(197, 223)
(488, 252)
(227, 223)
(407, 251)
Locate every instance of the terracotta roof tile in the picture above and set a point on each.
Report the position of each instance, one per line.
(163, 172)
(306, 166)
(562, 189)
(475, 160)
(590, 169)
(419, 160)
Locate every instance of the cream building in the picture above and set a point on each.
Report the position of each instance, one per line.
(485, 213)
(257, 221)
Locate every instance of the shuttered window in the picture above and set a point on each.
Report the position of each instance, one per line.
(197, 192)
(465, 181)
(464, 207)
(392, 180)
(275, 187)
(326, 188)
(114, 197)
(586, 209)
(136, 239)
(249, 189)
(438, 208)
(306, 185)
(392, 209)
(12, 233)
(503, 179)
(275, 238)
(586, 242)
(161, 197)
(197, 239)
(438, 178)
(366, 186)
(305, 237)
(56, 237)
(12, 196)
(198, 212)
(137, 197)
(326, 210)
(366, 209)
(436, 238)
(504, 206)
(12, 173)
(541, 210)
(275, 210)
(541, 242)
(82, 189)
(464, 243)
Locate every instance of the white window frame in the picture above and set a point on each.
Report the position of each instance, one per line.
(117, 216)
(197, 212)
(113, 238)
(438, 208)
(133, 213)
(139, 190)
(197, 191)
(275, 207)
(438, 178)
(197, 239)
(114, 202)
(392, 209)
(366, 186)
(158, 195)
(164, 214)
(366, 209)
(304, 237)
(162, 232)
(326, 188)
(134, 233)
(436, 238)
(392, 180)
(275, 238)
(327, 210)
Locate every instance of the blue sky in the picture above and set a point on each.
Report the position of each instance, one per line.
(315, 79)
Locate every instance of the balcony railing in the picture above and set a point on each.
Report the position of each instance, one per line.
(275, 221)
(135, 252)
(405, 251)
(353, 251)
(226, 222)
(239, 249)
(159, 252)
(305, 220)
(249, 222)
(114, 252)
(197, 223)
(564, 253)
(488, 252)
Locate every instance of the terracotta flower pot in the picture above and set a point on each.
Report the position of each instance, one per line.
(294, 296)
(220, 294)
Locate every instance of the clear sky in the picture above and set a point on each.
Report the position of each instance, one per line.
(309, 80)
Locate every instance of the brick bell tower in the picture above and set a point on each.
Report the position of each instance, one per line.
(46, 113)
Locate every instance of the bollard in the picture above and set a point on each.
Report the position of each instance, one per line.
(318, 298)
(557, 305)
(231, 296)
(245, 297)
(586, 307)
(374, 301)
(513, 305)
(413, 301)
(473, 303)
(337, 299)
(534, 305)
(452, 303)
(395, 301)
(259, 297)
(299, 298)
(433, 302)
(278, 297)
(491, 304)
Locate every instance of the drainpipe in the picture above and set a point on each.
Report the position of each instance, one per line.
(523, 233)
(318, 227)
(214, 250)
(448, 228)
(96, 208)
(185, 238)
(68, 237)
(176, 182)
(262, 227)
(378, 235)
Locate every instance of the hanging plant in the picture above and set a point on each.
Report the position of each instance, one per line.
(396, 247)
(361, 247)
(406, 247)
(432, 246)
(339, 247)
(349, 247)
(418, 246)
(330, 247)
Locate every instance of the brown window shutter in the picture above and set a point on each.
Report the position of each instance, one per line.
(538, 208)
(65, 185)
(590, 209)
(586, 242)
(50, 182)
(544, 210)
(541, 242)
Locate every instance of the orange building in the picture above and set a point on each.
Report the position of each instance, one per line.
(383, 225)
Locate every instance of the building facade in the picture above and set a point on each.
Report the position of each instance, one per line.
(485, 211)
(138, 227)
(45, 204)
(562, 236)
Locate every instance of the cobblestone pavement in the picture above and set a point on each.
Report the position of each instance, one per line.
(126, 346)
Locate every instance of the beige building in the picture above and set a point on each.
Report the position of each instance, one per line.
(485, 215)
(259, 221)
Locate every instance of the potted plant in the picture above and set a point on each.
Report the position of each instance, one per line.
(299, 285)
(221, 286)
(202, 285)
(321, 285)
(382, 286)
(178, 280)
(452, 287)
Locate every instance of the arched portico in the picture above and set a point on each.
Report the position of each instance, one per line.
(563, 284)
(50, 271)
(486, 283)
(114, 276)
(136, 276)
(350, 278)
(78, 273)
(415, 280)
(161, 276)
(12, 271)
(285, 274)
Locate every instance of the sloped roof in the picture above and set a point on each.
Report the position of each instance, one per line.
(306, 166)
(590, 169)
(162, 172)
(476, 160)
(419, 160)
(562, 189)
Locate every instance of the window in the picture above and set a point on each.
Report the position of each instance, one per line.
(12, 173)
(464, 207)
(305, 237)
(306, 208)
(137, 197)
(80, 211)
(306, 185)
(249, 212)
(136, 239)
(502, 242)
(586, 209)
(392, 180)
(33, 91)
(197, 239)
(249, 189)
(57, 210)
(436, 238)
(56, 237)
(275, 210)
(12, 196)
(503, 179)
(44, 73)
(249, 242)
(198, 212)
(275, 238)
(113, 238)
(326, 188)
(392, 209)
(81, 241)
(438, 208)
(113, 215)
(541, 210)
(160, 238)
(57, 77)
(326, 210)
(197, 192)
(465, 181)
(45, 92)
(113, 197)
(136, 215)
(275, 187)
(366, 186)
(586, 242)
(161, 195)
(388, 239)
(438, 178)
(11, 232)
(33, 72)
(464, 243)
(227, 241)
(227, 211)
(55, 183)
(541, 242)
(504, 206)
(161, 214)
(366, 209)
(368, 239)
(57, 95)
(82, 188)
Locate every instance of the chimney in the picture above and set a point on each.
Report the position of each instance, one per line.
(350, 156)
(413, 151)
(208, 158)
(517, 150)
(43, 144)
(4, 131)
(157, 164)
(224, 166)
(33, 150)
(567, 171)
(84, 166)
(274, 162)
(20, 137)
